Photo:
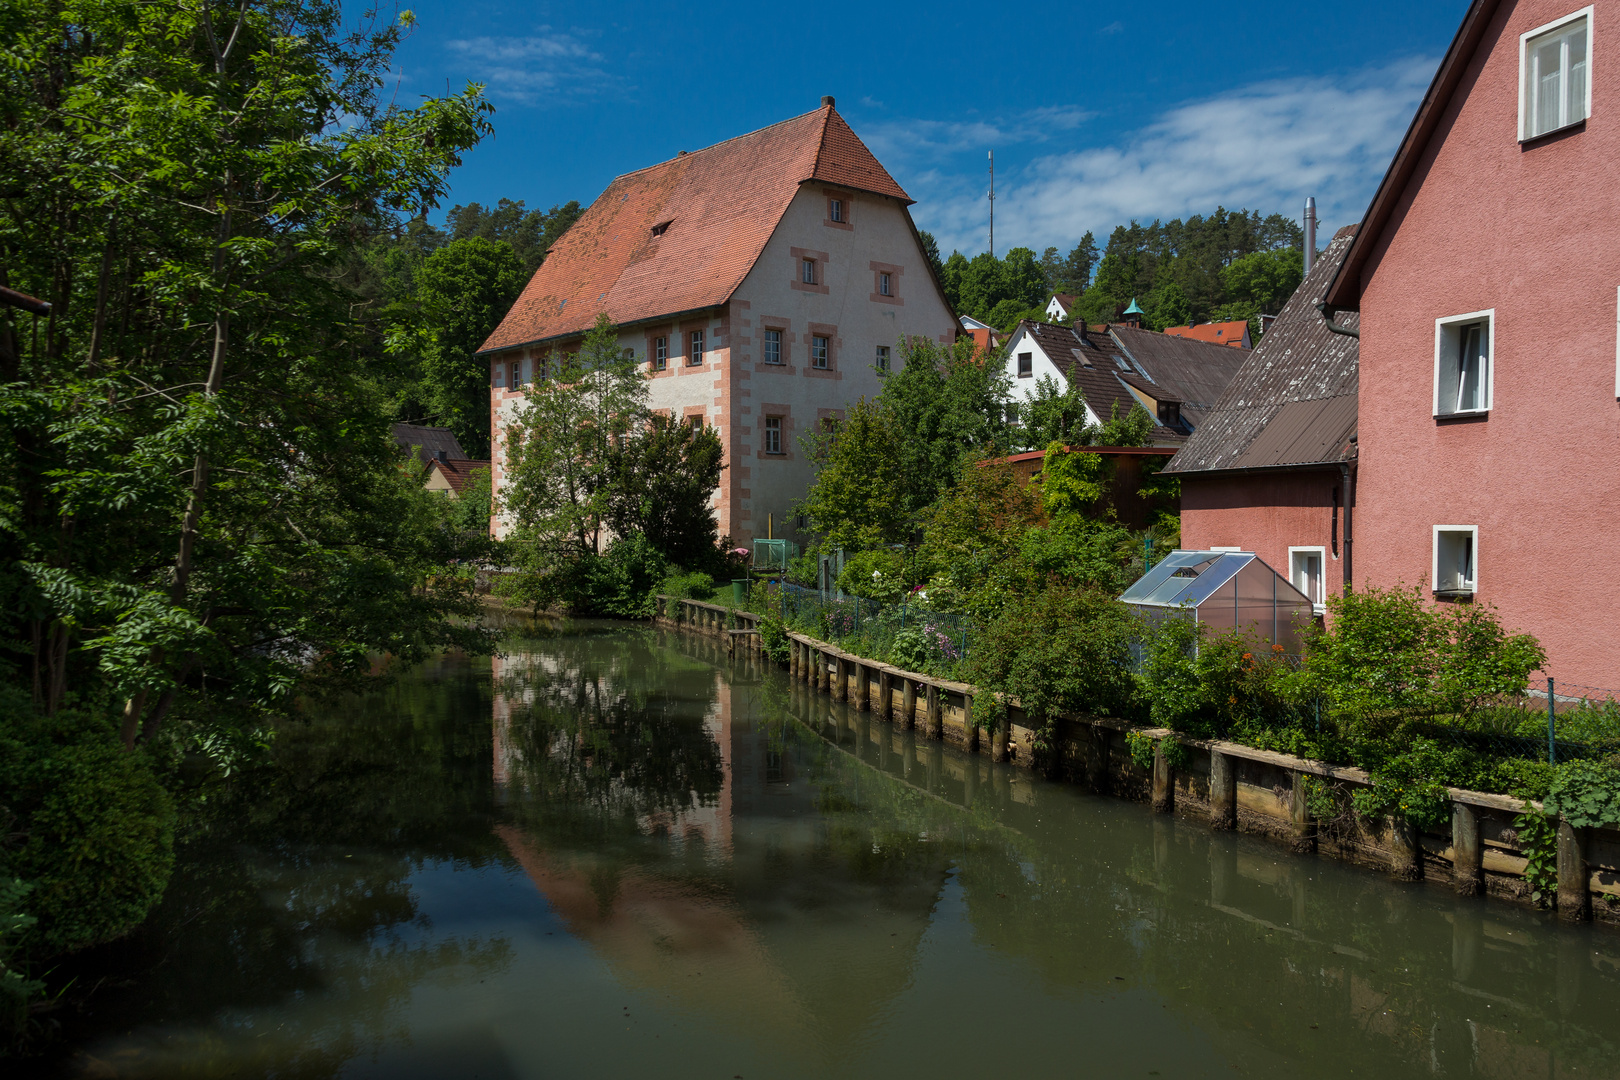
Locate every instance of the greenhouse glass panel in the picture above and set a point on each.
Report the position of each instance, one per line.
(1226, 590)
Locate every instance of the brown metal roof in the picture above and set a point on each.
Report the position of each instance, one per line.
(1195, 373)
(430, 439)
(1089, 362)
(1293, 402)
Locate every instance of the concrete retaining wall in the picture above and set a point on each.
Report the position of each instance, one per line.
(1226, 784)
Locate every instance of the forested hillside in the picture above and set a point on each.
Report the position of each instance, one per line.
(1228, 265)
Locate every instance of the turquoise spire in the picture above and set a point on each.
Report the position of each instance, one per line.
(1134, 309)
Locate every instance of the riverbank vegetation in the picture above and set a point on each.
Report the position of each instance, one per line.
(206, 520)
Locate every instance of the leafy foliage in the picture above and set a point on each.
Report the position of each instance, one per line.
(1586, 794)
(659, 481)
(201, 479)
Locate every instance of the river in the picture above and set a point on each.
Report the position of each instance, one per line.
(611, 852)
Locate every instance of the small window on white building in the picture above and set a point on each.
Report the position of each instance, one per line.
(1555, 66)
(1305, 571)
(1463, 354)
(695, 421)
(694, 356)
(818, 351)
(885, 285)
(883, 358)
(1456, 560)
(773, 434)
(517, 374)
(807, 271)
(660, 353)
(835, 209)
(1026, 365)
(773, 346)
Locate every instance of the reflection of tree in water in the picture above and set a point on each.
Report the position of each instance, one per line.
(613, 725)
(291, 900)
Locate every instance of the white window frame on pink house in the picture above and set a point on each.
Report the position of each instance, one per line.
(1525, 134)
(1443, 340)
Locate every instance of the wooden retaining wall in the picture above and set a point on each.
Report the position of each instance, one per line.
(1229, 785)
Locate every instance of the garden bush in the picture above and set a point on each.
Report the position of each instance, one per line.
(87, 826)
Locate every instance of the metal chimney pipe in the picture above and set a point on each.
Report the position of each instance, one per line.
(1310, 232)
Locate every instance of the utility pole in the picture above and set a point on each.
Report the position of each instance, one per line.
(992, 204)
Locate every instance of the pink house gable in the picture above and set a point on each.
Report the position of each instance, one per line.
(1486, 276)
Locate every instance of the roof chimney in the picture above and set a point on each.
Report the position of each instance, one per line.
(827, 100)
(1310, 232)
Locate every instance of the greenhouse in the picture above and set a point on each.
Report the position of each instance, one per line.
(1226, 590)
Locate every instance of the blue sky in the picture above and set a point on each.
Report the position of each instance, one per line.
(1097, 113)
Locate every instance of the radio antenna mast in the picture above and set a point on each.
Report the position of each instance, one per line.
(992, 203)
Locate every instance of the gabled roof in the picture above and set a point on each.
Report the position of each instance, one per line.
(458, 474)
(681, 235)
(1195, 373)
(1344, 291)
(431, 440)
(1229, 334)
(1095, 363)
(1065, 300)
(1293, 402)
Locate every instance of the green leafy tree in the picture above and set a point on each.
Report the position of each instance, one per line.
(1053, 413)
(530, 234)
(930, 249)
(200, 478)
(559, 447)
(860, 497)
(1168, 306)
(461, 293)
(950, 278)
(660, 483)
(1071, 482)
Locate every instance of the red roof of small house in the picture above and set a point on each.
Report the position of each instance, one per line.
(681, 235)
(458, 474)
(1220, 333)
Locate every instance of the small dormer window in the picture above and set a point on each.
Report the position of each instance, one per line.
(1555, 69)
(662, 227)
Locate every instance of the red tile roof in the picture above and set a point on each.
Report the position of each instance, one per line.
(458, 474)
(720, 204)
(1221, 333)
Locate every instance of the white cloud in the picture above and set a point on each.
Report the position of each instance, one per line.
(1265, 147)
(1112, 28)
(530, 70)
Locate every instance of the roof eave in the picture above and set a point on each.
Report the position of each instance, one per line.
(1344, 291)
(551, 338)
(1249, 470)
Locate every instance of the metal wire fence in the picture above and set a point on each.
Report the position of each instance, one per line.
(903, 634)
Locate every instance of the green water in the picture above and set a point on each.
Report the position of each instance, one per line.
(614, 853)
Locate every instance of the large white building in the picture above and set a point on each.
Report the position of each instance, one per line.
(765, 282)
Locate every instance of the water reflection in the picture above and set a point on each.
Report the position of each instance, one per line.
(616, 851)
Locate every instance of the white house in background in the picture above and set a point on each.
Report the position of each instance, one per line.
(1059, 307)
(1175, 379)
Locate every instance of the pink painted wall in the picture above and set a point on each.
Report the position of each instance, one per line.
(1532, 231)
(1265, 513)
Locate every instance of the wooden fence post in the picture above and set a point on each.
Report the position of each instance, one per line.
(1164, 781)
(885, 694)
(840, 677)
(936, 712)
(1303, 837)
(1467, 856)
(863, 688)
(998, 749)
(1405, 850)
(908, 703)
(1097, 759)
(1222, 791)
(1574, 876)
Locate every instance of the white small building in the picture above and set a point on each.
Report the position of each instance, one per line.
(1060, 306)
(1175, 379)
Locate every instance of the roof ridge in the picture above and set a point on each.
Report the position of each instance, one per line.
(685, 154)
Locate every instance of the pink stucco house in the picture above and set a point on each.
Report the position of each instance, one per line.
(1485, 273)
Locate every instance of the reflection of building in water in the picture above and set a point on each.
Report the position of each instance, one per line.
(761, 905)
